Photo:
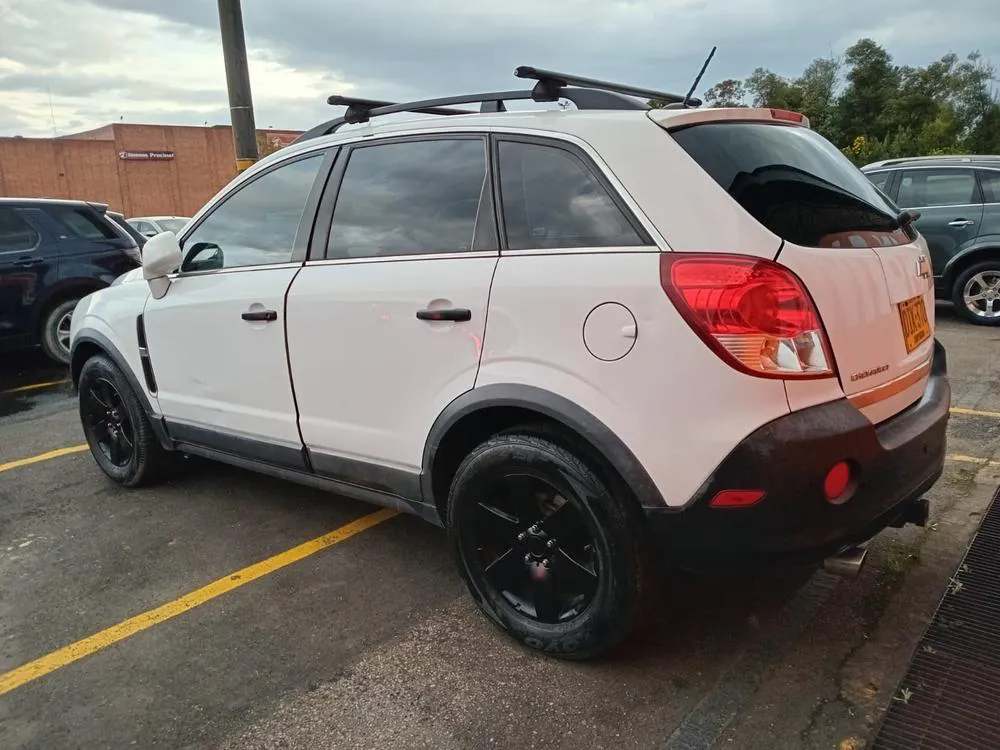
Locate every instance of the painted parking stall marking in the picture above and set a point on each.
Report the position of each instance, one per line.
(58, 453)
(109, 636)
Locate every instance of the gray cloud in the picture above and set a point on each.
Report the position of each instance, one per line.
(410, 49)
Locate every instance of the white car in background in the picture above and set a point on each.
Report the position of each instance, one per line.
(150, 226)
(574, 338)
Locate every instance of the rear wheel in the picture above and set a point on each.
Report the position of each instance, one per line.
(548, 552)
(55, 331)
(117, 429)
(976, 293)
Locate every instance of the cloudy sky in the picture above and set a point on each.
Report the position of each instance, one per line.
(69, 65)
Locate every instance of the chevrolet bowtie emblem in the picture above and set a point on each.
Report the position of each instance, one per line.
(923, 267)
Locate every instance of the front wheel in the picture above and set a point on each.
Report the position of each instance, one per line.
(117, 429)
(976, 293)
(547, 551)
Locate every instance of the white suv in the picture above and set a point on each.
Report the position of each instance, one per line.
(580, 340)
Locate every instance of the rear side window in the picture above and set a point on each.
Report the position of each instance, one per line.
(990, 180)
(551, 199)
(81, 224)
(15, 233)
(410, 198)
(880, 180)
(794, 182)
(924, 188)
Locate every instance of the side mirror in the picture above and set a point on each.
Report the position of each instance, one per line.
(204, 256)
(161, 255)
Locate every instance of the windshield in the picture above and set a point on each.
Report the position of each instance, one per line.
(173, 225)
(796, 183)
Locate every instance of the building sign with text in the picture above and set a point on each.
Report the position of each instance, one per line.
(146, 155)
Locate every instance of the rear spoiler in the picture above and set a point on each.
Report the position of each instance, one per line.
(671, 119)
(101, 208)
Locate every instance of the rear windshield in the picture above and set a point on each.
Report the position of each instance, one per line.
(794, 182)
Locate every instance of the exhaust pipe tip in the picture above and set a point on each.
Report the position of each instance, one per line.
(847, 563)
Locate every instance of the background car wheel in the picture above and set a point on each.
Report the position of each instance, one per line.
(116, 426)
(976, 293)
(55, 331)
(547, 551)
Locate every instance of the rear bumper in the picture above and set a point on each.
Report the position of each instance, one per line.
(895, 463)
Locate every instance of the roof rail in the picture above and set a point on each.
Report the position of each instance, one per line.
(585, 93)
(939, 157)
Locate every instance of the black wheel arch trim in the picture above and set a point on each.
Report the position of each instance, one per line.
(553, 406)
(95, 338)
(970, 256)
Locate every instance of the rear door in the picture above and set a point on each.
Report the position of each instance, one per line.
(950, 207)
(26, 263)
(870, 278)
(387, 329)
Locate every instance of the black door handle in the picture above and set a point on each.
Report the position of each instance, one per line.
(266, 315)
(458, 314)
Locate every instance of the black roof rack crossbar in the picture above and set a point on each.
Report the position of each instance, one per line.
(551, 82)
(585, 93)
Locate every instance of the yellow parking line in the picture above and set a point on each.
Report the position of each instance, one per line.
(33, 386)
(973, 460)
(71, 653)
(975, 412)
(41, 457)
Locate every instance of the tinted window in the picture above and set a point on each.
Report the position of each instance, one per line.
(937, 187)
(409, 198)
(794, 182)
(145, 227)
(990, 180)
(81, 223)
(257, 224)
(880, 180)
(172, 225)
(551, 199)
(15, 233)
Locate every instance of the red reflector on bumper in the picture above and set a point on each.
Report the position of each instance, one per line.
(737, 498)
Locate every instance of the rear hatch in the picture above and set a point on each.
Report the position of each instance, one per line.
(868, 275)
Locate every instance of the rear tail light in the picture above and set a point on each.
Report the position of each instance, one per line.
(753, 313)
(737, 498)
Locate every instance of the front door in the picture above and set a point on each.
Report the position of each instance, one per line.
(216, 339)
(26, 265)
(388, 329)
(950, 206)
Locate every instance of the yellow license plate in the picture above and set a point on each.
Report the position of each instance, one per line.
(913, 318)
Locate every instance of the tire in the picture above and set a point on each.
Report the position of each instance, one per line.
(548, 551)
(54, 334)
(972, 280)
(106, 398)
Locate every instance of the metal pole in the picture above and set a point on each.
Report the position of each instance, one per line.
(234, 50)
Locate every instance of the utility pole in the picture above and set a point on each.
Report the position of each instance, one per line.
(234, 50)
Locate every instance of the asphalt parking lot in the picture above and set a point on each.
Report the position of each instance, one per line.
(219, 611)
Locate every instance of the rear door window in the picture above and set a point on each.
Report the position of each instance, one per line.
(880, 180)
(924, 188)
(15, 233)
(552, 199)
(794, 182)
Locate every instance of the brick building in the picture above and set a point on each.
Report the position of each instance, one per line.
(140, 170)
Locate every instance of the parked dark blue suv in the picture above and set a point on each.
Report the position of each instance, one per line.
(52, 254)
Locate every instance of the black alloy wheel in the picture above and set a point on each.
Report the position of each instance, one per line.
(547, 550)
(106, 422)
(535, 549)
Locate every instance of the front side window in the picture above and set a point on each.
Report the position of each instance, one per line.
(925, 188)
(15, 233)
(256, 225)
(410, 198)
(551, 199)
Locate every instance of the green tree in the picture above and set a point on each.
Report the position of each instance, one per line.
(728, 93)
